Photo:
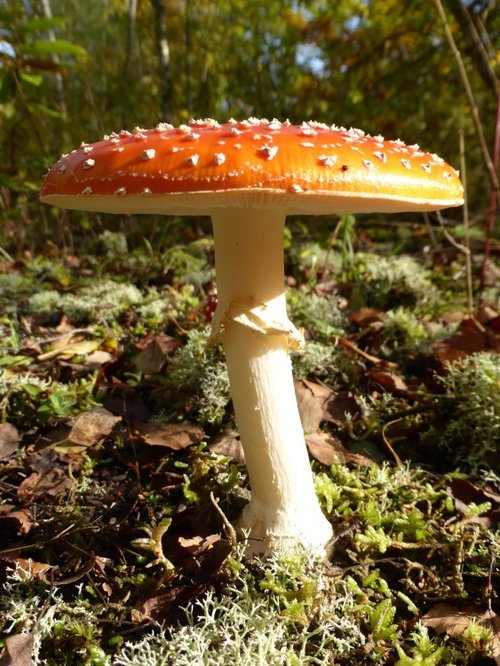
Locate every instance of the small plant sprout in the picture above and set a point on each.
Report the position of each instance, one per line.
(248, 176)
(153, 544)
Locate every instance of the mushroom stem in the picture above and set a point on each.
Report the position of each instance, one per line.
(252, 323)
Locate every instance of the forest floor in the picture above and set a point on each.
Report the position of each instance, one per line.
(121, 470)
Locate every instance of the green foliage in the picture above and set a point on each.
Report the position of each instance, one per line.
(315, 359)
(27, 398)
(101, 301)
(161, 308)
(425, 652)
(472, 432)
(196, 369)
(114, 243)
(45, 302)
(278, 615)
(367, 497)
(13, 286)
(29, 606)
(381, 622)
(188, 262)
(152, 543)
(386, 282)
(318, 314)
(406, 334)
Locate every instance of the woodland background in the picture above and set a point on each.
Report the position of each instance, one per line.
(72, 70)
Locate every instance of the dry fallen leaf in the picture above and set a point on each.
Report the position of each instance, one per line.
(52, 482)
(97, 359)
(454, 620)
(166, 606)
(18, 650)
(311, 400)
(341, 406)
(390, 381)
(70, 345)
(19, 519)
(89, 428)
(468, 340)
(154, 354)
(9, 439)
(366, 316)
(27, 569)
(327, 449)
(175, 436)
(229, 445)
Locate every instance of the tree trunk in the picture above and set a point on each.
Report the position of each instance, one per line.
(163, 52)
(475, 46)
(60, 94)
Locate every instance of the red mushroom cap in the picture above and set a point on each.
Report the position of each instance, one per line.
(308, 168)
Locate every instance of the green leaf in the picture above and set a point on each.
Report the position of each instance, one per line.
(40, 23)
(32, 79)
(32, 389)
(44, 110)
(8, 110)
(7, 361)
(45, 47)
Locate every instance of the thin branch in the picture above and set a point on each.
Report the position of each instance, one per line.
(470, 96)
(468, 256)
(229, 529)
(494, 194)
(6, 255)
(477, 49)
(459, 246)
(388, 444)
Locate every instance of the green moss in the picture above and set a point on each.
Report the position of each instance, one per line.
(471, 433)
(282, 612)
(101, 301)
(45, 302)
(202, 372)
(386, 282)
(319, 315)
(114, 243)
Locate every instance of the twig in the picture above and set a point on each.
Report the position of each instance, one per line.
(489, 588)
(444, 401)
(229, 529)
(373, 359)
(470, 96)
(462, 248)
(430, 231)
(6, 255)
(468, 257)
(494, 194)
(398, 460)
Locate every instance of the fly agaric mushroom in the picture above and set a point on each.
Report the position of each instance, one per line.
(248, 176)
